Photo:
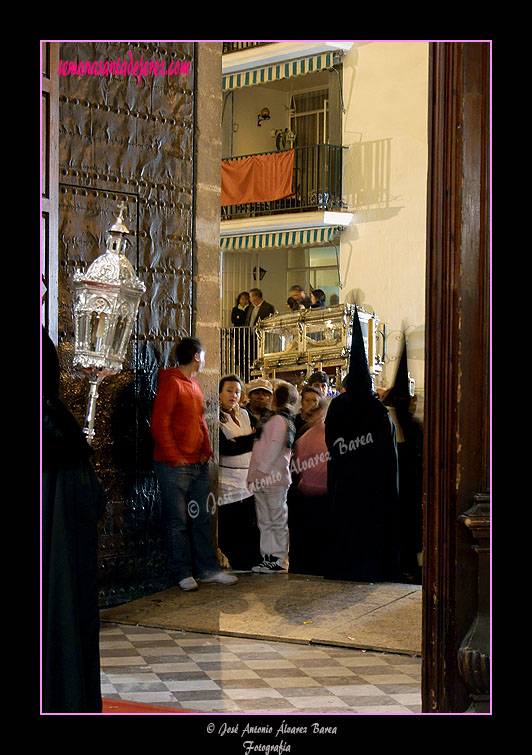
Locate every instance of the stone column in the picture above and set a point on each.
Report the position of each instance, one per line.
(206, 246)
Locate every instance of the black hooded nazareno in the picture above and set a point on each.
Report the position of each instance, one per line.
(364, 536)
(73, 501)
(410, 455)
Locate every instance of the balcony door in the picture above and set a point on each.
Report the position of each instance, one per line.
(309, 117)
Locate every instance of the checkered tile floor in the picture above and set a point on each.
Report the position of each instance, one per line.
(219, 674)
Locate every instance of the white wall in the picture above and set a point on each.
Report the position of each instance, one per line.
(273, 285)
(248, 103)
(382, 253)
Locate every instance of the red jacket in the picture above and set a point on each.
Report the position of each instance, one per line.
(178, 426)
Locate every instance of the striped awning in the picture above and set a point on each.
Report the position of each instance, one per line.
(253, 241)
(277, 71)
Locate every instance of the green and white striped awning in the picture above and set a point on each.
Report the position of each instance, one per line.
(253, 241)
(277, 71)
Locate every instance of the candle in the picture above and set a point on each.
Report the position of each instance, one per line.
(101, 325)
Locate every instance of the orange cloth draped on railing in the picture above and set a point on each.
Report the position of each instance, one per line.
(257, 178)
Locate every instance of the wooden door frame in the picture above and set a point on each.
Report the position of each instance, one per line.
(457, 449)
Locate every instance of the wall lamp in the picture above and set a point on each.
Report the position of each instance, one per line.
(261, 272)
(264, 115)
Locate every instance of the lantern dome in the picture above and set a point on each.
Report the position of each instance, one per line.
(108, 296)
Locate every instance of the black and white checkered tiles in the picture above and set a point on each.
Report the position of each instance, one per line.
(219, 674)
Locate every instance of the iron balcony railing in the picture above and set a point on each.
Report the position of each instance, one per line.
(238, 350)
(235, 46)
(316, 184)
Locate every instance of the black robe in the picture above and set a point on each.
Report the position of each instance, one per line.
(410, 455)
(307, 521)
(362, 474)
(72, 502)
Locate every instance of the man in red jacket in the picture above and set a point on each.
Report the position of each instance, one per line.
(181, 454)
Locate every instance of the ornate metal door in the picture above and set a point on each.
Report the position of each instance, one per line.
(127, 137)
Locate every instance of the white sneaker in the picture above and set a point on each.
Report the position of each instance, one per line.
(187, 584)
(221, 578)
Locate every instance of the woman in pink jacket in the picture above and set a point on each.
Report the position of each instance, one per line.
(308, 502)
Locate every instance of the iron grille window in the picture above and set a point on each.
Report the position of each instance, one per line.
(309, 117)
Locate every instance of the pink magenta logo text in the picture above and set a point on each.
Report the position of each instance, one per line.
(123, 67)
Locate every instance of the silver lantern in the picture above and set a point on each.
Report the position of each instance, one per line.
(107, 301)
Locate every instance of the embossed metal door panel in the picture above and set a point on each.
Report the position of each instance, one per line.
(125, 137)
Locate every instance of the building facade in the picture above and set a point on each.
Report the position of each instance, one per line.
(355, 223)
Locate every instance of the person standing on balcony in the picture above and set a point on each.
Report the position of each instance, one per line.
(298, 293)
(240, 310)
(292, 305)
(259, 309)
(181, 453)
(317, 298)
(241, 337)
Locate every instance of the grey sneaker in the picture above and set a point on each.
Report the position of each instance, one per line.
(221, 578)
(187, 584)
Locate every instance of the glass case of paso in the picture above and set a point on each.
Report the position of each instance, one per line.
(293, 345)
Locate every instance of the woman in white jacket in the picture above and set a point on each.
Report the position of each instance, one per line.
(238, 534)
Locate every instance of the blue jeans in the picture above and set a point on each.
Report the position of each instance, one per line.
(186, 519)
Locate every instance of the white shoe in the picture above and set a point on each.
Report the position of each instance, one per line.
(187, 584)
(221, 578)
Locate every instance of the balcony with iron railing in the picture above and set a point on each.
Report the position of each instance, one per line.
(316, 184)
